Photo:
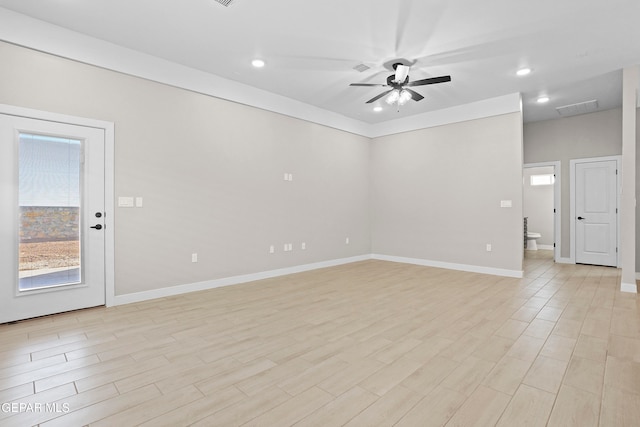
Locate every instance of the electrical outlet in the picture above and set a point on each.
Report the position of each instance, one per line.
(303, 246)
(488, 247)
(194, 257)
(346, 241)
(272, 249)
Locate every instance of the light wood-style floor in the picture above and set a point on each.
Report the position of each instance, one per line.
(367, 344)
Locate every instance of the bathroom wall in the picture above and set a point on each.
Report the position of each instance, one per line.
(538, 206)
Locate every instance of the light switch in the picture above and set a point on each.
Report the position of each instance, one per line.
(125, 202)
(138, 202)
(505, 203)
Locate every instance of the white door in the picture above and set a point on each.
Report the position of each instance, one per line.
(52, 218)
(596, 216)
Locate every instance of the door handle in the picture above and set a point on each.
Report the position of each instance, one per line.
(97, 226)
(581, 218)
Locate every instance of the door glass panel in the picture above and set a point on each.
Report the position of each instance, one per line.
(49, 199)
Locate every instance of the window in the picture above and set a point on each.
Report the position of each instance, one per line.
(49, 191)
(546, 179)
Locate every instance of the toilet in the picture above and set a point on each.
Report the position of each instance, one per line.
(531, 240)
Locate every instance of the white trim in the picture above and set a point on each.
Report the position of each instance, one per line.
(109, 178)
(545, 247)
(451, 266)
(109, 203)
(572, 201)
(476, 110)
(562, 260)
(228, 281)
(235, 280)
(628, 287)
(637, 275)
(32, 33)
(557, 205)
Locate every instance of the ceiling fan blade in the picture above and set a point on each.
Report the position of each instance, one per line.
(367, 84)
(402, 71)
(414, 95)
(430, 81)
(374, 99)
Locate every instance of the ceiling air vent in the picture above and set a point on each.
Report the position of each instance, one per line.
(225, 2)
(579, 108)
(361, 67)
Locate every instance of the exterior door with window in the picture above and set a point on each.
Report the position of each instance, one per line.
(596, 203)
(52, 193)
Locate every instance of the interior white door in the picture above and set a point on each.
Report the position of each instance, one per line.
(596, 216)
(52, 218)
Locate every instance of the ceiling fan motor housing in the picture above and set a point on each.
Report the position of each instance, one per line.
(392, 82)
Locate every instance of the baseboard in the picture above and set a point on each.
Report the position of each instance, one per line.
(637, 275)
(565, 261)
(452, 266)
(545, 247)
(628, 287)
(228, 281)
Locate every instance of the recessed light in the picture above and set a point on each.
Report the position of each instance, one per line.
(377, 109)
(258, 63)
(543, 99)
(523, 71)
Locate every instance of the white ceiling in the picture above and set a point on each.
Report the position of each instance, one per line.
(576, 48)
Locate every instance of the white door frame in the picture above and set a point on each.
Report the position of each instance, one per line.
(557, 217)
(572, 199)
(108, 127)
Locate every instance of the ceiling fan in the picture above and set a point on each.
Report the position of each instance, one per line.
(400, 84)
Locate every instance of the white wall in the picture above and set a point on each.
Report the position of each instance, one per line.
(538, 205)
(211, 174)
(436, 193)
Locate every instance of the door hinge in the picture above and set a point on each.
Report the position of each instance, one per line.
(554, 210)
(554, 245)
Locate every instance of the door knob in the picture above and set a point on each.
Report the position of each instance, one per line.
(581, 217)
(97, 226)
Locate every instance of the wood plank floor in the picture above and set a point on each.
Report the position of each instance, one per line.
(372, 343)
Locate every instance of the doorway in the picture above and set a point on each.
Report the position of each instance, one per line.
(541, 204)
(54, 219)
(594, 210)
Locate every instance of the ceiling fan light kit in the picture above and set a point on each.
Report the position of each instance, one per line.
(399, 96)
